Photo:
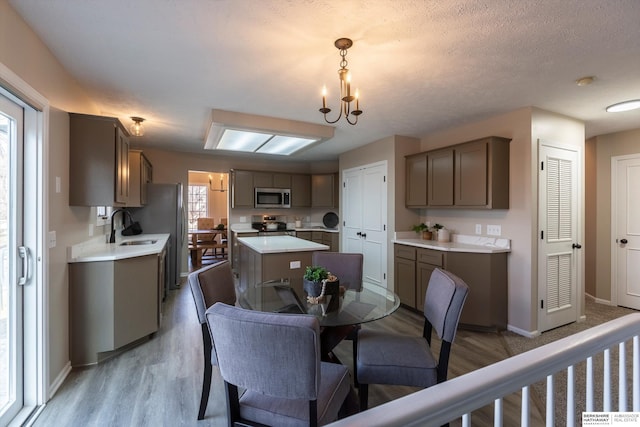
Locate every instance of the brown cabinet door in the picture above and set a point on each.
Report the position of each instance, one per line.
(471, 174)
(282, 180)
(323, 191)
(300, 191)
(263, 179)
(242, 189)
(405, 280)
(416, 181)
(440, 178)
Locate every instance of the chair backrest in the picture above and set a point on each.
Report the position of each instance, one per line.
(205, 223)
(211, 284)
(346, 266)
(273, 354)
(444, 299)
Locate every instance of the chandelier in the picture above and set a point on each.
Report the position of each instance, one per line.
(346, 98)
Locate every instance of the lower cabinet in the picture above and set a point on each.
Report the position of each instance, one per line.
(484, 273)
(112, 304)
(323, 237)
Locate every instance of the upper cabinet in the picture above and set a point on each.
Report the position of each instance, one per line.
(324, 190)
(242, 189)
(300, 191)
(473, 174)
(140, 174)
(98, 161)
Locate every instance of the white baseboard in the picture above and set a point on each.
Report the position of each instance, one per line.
(528, 334)
(598, 300)
(55, 385)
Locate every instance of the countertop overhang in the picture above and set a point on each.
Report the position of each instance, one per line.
(279, 244)
(97, 250)
(459, 243)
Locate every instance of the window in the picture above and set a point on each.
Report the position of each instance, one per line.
(197, 204)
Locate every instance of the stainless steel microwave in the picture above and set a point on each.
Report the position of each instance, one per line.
(273, 198)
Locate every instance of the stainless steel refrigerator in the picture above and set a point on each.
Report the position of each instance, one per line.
(164, 213)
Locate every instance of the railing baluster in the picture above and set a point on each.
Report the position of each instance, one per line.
(550, 400)
(497, 413)
(606, 381)
(571, 403)
(589, 390)
(524, 416)
(466, 420)
(636, 374)
(622, 377)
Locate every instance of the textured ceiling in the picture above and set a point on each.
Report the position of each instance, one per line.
(421, 66)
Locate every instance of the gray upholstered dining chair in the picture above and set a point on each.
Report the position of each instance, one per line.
(346, 266)
(276, 359)
(384, 358)
(210, 284)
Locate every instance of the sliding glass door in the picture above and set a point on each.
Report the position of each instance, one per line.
(13, 260)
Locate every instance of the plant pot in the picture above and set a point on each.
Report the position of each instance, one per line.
(427, 235)
(314, 289)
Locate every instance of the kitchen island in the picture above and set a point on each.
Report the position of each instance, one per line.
(274, 257)
(115, 294)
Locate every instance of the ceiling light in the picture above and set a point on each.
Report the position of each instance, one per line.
(249, 133)
(624, 106)
(585, 81)
(346, 97)
(136, 128)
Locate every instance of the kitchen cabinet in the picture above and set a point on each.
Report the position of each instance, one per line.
(271, 180)
(405, 274)
(473, 174)
(112, 304)
(484, 273)
(300, 191)
(440, 178)
(235, 249)
(416, 180)
(324, 237)
(98, 161)
(140, 174)
(242, 193)
(324, 190)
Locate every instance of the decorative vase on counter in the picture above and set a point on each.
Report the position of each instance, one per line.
(443, 235)
(314, 289)
(427, 235)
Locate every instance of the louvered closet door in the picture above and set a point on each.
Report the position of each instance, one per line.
(558, 248)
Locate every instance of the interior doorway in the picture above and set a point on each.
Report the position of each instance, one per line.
(207, 209)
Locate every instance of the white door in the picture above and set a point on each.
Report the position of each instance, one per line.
(364, 226)
(625, 215)
(12, 269)
(559, 248)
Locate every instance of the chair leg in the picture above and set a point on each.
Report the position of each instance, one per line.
(363, 392)
(355, 361)
(206, 387)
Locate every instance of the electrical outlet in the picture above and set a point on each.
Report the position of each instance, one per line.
(294, 265)
(494, 230)
(478, 228)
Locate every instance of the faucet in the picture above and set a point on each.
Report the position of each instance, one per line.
(112, 236)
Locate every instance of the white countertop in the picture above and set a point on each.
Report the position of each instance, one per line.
(97, 250)
(279, 244)
(247, 229)
(459, 243)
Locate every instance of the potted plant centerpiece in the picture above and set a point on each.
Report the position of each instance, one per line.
(318, 282)
(423, 229)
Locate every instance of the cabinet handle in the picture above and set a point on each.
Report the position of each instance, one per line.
(25, 254)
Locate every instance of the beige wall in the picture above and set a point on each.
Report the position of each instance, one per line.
(608, 146)
(590, 220)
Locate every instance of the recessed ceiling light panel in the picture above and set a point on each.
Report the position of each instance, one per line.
(233, 131)
(624, 106)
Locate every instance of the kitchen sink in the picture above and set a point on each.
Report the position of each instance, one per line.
(138, 242)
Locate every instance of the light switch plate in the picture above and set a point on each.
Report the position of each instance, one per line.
(494, 230)
(52, 239)
(478, 228)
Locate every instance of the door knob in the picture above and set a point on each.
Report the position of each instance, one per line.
(364, 235)
(358, 234)
(624, 241)
(576, 246)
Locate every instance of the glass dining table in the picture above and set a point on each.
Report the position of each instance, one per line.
(338, 314)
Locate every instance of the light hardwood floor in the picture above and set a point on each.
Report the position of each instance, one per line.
(158, 382)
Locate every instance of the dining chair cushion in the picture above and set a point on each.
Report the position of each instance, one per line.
(395, 359)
